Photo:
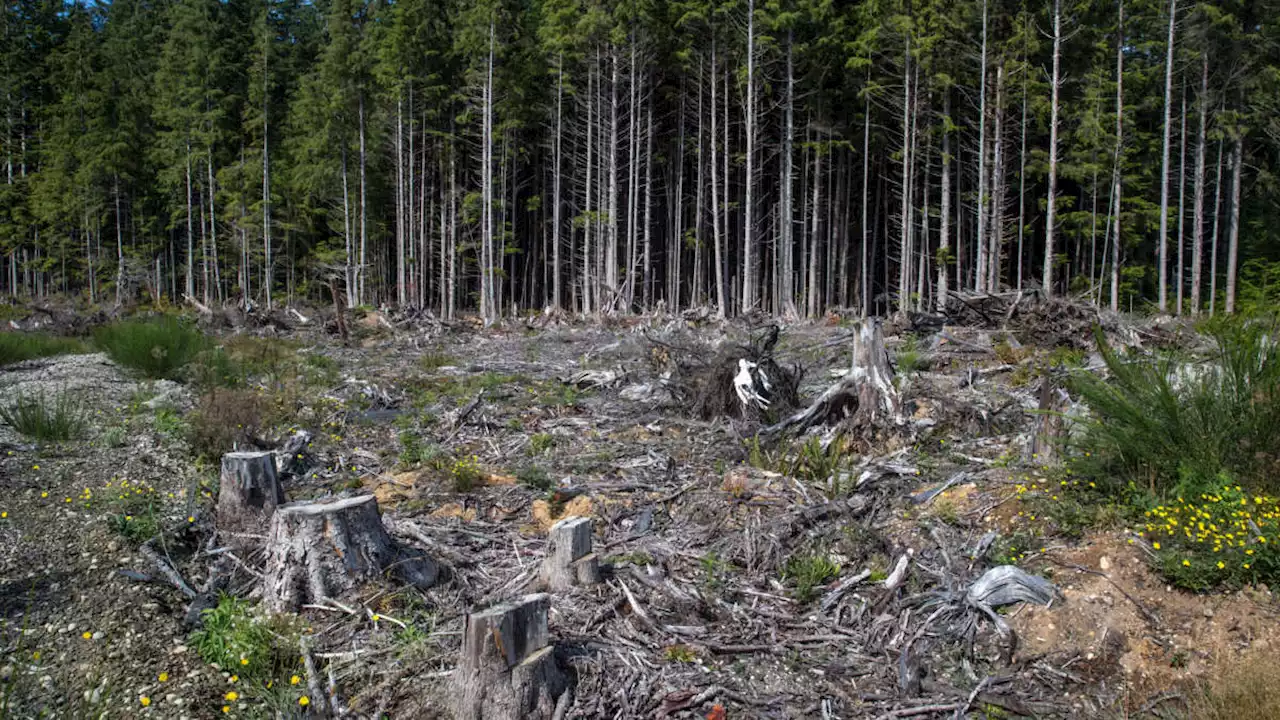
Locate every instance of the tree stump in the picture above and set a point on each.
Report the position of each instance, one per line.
(249, 491)
(324, 549)
(569, 560)
(508, 669)
(1047, 434)
(864, 397)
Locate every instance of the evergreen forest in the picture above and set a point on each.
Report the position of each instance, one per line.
(790, 157)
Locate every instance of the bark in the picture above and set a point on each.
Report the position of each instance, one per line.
(866, 208)
(1213, 246)
(326, 549)
(249, 491)
(1233, 237)
(1179, 276)
(721, 299)
(1197, 231)
(508, 669)
(1162, 260)
(904, 241)
(555, 188)
(996, 215)
(749, 256)
(1051, 210)
(364, 207)
(981, 204)
(786, 224)
(569, 561)
(944, 239)
(1118, 171)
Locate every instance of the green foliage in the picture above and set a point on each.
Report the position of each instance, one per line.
(909, 359)
(809, 572)
(44, 419)
(535, 477)
(1174, 422)
(18, 346)
(679, 654)
(221, 420)
(158, 348)
(466, 474)
(435, 360)
(810, 461)
(132, 510)
(257, 649)
(541, 443)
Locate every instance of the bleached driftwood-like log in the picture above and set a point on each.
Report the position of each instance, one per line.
(569, 560)
(249, 491)
(508, 669)
(864, 396)
(324, 549)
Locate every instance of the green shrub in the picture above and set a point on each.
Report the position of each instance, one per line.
(534, 477)
(540, 443)
(158, 348)
(809, 572)
(236, 641)
(1173, 422)
(214, 368)
(44, 419)
(466, 474)
(18, 346)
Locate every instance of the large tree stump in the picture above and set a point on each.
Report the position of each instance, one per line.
(864, 397)
(508, 669)
(325, 549)
(249, 491)
(569, 560)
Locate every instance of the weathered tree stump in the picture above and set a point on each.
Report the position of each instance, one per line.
(324, 549)
(249, 491)
(569, 560)
(508, 669)
(864, 397)
(1049, 429)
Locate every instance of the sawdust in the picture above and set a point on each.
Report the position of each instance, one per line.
(544, 515)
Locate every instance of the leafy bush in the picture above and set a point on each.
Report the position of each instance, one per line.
(44, 419)
(18, 346)
(534, 477)
(158, 348)
(466, 473)
(1177, 423)
(214, 368)
(221, 420)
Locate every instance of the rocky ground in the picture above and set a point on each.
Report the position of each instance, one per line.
(767, 579)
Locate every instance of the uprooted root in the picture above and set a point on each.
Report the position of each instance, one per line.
(704, 388)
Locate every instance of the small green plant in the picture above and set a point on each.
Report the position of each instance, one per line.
(215, 368)
(909, 358)
(541, 443)
(679, 654)
(466, 474)
(44, 419)
(434, 360)
(18, 346)
(714, 570)
(808, 572)
(168, 423)
(534, 477)
(235, 640)
(158, 348)
(223, 420)
(114, 436)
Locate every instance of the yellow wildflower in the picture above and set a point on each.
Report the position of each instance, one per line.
(232, 696)
(304, 701)
(144, 700)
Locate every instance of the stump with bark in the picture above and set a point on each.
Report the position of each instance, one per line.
(569, 560)
(864, 397)
(1049, 429)
(508, 669)
(325, 549)
(249, 491)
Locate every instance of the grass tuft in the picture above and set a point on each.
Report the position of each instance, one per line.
(158, 348)
(19, 346)
(45, 419)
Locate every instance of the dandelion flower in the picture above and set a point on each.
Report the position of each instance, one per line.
(226, 708)
(164, 677)
(295, 680)
(235, 678)
(1187, 563)
(1155, 545)
(86, 635)
(44, 494)
(191, 518)
(244, 661)
(1221, 565)
(144, 700)
(4, 515)
(232, 696)
(304, 701)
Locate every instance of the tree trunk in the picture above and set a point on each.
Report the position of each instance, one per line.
(866, 208)
(361, 269)
(508, 669)
(1233, 237)
(904, 241)
(786, 300)
(1179, 275)
(1213, 246)
(996, 215)
(326, 549)
(1197, 232)
(749, 256)
(1162, 261)
(555, 187)
(1118, 171)
(721, 299)
(979, 273)
(1051, 210)
(944, 239)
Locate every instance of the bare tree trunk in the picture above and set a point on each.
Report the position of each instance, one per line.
(721, 300)
(1118, 171)
(749, 257)
(555, 187)
(588, 220)
(119, 247)
(648, 209)
(1022, 173)
(866, 208)
(786, 224)
(364, 238)
(996, 215)
(1051, 210)
(611, 247)
(944, 239)
(811, 305)
(267, 274)
(488, 298)
(1182, 192)
(349, 271)
(401, 221)
(191, 242)
(1213, 247)
(1233, 237)
(1163, 259)
(1197, 233)
(904, 241)
(979, 274)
